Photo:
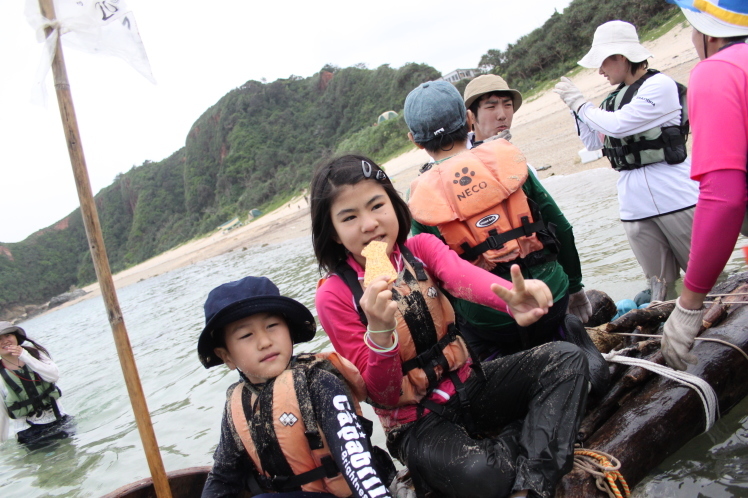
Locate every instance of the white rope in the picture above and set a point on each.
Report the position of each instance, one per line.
(702, 388)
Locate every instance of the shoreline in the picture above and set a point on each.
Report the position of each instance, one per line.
(543, 129)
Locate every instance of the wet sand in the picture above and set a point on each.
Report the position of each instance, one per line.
(543, 128)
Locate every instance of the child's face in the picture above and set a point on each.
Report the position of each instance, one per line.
(361, 213)
(260, 346)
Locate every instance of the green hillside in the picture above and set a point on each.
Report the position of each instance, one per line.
(259, 143)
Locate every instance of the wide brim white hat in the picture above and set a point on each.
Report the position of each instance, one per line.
(711, 26)
(614, 38)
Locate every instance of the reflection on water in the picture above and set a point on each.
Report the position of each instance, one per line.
(164, 317)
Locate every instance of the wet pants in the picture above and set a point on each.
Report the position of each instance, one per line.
(545, 388)
(39, 434)
(662, 245)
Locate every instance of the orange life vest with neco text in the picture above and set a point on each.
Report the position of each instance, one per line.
(476, 200)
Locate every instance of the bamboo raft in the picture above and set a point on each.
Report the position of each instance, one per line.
(643, 418)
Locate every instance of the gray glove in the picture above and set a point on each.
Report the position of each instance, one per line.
(570, 94)
(580, 306)
(680, 330)
(402, 485)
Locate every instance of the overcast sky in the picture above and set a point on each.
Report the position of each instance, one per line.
(198, 52)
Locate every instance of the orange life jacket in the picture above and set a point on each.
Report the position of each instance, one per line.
(429, 344)
(476, 200)
(306, 461)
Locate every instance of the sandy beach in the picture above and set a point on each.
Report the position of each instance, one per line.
(543, 128)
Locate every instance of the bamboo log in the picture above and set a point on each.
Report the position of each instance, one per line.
(719, 309)
(603, 308)
(633, 378)
(665, 415)
(646, 316)
(101, 263)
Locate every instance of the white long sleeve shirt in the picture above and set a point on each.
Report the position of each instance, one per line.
(48, 371)
(657, 188)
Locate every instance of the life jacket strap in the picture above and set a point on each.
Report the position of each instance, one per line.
(35, 400)
(350, 277)
(433, 356)
(497, 240)
(414, 263)
(311, 430)
(671, 136)
(328, 469)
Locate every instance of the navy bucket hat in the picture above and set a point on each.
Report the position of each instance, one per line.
(233, 301)
(9, 328)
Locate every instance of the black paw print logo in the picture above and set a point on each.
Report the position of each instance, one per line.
(463, 179)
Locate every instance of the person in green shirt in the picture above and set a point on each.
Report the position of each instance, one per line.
(450, 189)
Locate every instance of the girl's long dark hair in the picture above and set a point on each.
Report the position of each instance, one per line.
(326, 182)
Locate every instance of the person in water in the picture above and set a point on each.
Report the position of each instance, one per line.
(490, 209)
(453, 421)
(291, 424)
(718, 102)
(31, 408)
(642, 130)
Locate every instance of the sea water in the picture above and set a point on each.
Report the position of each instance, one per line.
(164, 316)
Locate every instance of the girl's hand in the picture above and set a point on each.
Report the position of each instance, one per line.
(14, 350)
(379, 309)
(528, 300)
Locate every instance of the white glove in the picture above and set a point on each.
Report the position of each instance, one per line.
(580, 306)
(570, 94)
(680, 330)
(402, 485)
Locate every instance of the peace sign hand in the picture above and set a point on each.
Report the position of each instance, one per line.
(528, 300)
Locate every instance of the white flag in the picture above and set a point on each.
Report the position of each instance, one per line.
(105, 27)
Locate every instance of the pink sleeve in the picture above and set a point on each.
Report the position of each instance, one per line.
(718, 111)
(382, 372)
(459, 277)
(716, 224)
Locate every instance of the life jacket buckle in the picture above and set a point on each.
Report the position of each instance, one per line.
(493, 243)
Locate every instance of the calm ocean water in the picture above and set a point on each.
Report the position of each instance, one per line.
(164, 316)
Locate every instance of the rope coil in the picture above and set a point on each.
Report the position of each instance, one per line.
(606, 470)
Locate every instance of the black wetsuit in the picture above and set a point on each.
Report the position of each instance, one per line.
(232, 466)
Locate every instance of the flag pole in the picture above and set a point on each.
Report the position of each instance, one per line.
(101, 263)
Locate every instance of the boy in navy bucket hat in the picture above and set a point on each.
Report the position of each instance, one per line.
(292, 425)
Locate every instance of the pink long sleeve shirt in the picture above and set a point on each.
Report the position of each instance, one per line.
(382, 372)
(718, 109)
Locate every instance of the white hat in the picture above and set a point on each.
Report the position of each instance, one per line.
(612, 38)
(711, 26)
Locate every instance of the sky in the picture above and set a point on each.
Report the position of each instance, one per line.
(198, 52)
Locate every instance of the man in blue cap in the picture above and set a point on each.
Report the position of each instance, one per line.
(542, 242)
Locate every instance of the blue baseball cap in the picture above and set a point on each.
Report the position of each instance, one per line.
(432, 109)
(233, 301)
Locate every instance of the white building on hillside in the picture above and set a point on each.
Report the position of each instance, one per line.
(459, 74)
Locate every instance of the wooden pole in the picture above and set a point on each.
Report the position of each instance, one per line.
(101, 264)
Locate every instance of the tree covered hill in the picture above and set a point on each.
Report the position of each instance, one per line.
(258, 142)
(261, 141)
